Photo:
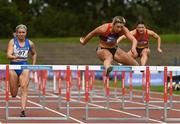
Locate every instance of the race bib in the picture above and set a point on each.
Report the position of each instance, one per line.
(21, 52)
(142, 42)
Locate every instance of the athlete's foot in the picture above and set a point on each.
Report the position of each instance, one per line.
(109, 69)
(23, 114)
(13, 96)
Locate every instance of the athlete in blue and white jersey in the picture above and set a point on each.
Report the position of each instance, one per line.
(108, 49)
(17, 52)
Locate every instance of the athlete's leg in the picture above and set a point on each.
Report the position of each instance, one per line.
(144, 56)
(107, 58)
(124, 58)
(13, 83)
(24, 82)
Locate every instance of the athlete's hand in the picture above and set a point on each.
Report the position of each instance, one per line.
(16, 58)
(82, 40)
(159, 50)
(134, 52)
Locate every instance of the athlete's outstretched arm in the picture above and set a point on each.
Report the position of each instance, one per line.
(89, 36)
(121, 38)
(132, 39)
(156, 36)
(124, 37)
(33, 52)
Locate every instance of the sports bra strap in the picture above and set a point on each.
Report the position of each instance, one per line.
(108, 29)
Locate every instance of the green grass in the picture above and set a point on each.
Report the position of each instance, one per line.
(167, 38)
(152, 88)
(175, 38)
(3, 59)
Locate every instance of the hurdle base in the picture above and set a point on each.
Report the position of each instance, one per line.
(37, 118)
(123, 119)
(13, 107)
(171, 119)
(82, 108)
(143, 108)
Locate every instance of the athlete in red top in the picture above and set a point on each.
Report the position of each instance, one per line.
(108, 48)
(142, 34)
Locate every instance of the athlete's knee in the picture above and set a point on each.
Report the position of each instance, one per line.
(109, 60)
(144, 54)
(24, 86)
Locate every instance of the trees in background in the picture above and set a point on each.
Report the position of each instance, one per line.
(55, 18)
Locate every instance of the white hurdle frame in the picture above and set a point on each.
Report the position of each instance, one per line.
(166, 118)
(90, 67)
(118, 68)
(31, 67)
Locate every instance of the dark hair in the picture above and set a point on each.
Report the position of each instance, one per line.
(139, 22)
(118, 19)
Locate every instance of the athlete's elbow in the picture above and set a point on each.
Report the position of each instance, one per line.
(8, 57)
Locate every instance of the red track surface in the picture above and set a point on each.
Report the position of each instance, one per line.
(77, 115)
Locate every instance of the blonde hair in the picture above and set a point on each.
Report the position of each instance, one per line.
(21, 26)
(118, 19)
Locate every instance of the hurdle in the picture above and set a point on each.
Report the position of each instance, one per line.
(123, 69)
(165, 117)
(152, 68)
(85, 74)
(32, 67)
(106, 89)
(85, 69)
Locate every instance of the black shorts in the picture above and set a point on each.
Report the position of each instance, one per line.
(111, 50)
(139, 51)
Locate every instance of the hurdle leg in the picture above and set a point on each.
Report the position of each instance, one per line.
(54, 83)
(87, 111)
(79, 84)
(147, 91)
(7, 92)
(40, 86)
(171, 102)
(104, 82)
(147, 110)
(7, 110)
(44, 104)
(107, 92)
(59, 102)
(87, 92)
(123, 89)
(90, 87)
(68, 90)
(130, 86)
(171, 90)
(165, 93)
(115, 84)
(68, 108)
(44, 87)
(165, 111)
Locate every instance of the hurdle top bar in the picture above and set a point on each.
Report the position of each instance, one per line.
(91, 67)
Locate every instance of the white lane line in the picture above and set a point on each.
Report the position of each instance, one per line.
(54, 111)
(150, 103)
(112, 109)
